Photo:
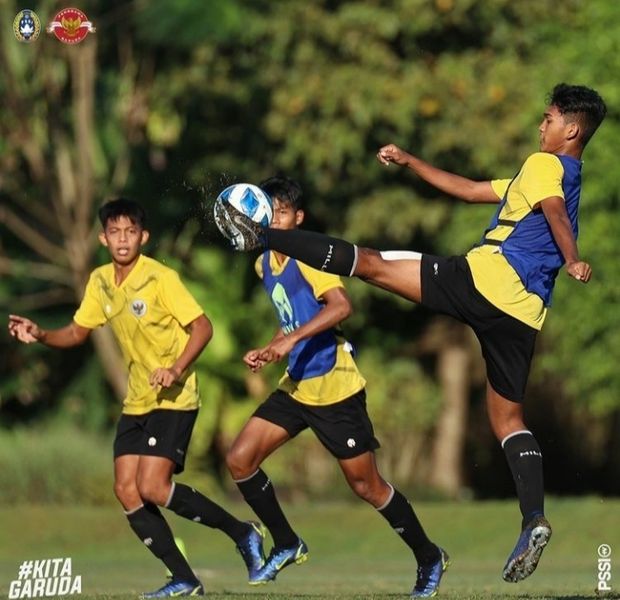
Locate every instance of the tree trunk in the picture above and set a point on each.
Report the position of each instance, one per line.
(447, 465)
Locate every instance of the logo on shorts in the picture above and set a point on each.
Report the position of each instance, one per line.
(351, 443)
(152, 441)
(435, 269)
(138, 308)
(26, 26)
(70, 26)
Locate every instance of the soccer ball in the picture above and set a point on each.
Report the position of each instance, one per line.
(247, 199)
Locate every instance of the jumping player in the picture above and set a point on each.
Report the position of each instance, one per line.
(501, 288)
(161, 331)
(322, 389)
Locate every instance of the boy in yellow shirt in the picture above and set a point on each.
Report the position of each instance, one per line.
(161, 330)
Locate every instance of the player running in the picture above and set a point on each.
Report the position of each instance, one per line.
(501, 288)
(322, 389)
(161, 331)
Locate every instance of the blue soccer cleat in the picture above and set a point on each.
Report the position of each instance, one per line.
(278, 559)
(429, 576)
(176, 588)
(251, 548)
(524, 558)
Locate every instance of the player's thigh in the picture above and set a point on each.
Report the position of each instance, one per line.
(255, 442)
(158, 470)
(400, 277)
(361, 468)
(505, 416)
(126, 469)
(364, 479)
(154, 478)
(125, 480)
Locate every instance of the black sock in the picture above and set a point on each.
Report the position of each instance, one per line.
(260, 495)
(525, 461)
(400, 515)
(151, 527)
(316, 250)
(191, 504)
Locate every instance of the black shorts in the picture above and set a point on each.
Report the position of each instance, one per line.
(507, 343)
(158, 433)
(344, 428)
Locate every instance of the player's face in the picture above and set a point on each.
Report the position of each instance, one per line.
(285, 216)
(553, 130)
(123, 239)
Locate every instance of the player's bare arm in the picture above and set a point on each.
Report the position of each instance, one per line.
(252, 357)
(460, 187)
(200, 333)
(554, 210)
(28, 332)
(337, 308)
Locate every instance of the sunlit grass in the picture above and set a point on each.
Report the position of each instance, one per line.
(353, 553)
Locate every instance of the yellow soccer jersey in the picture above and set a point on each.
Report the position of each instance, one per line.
(343, 379)
(147, 312)
(540, 177)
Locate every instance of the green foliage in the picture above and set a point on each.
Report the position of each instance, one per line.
(55, 465)
(190, 97)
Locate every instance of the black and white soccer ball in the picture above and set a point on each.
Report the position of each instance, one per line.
(248, 200)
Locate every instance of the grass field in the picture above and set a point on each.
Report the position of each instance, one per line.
(353, 554)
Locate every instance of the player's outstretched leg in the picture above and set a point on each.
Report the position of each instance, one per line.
(314, 249)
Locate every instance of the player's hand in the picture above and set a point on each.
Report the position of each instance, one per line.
(252, 360)
(164, 377)
(392, 154)
(277, 349)
(24, 330)
(580, 270)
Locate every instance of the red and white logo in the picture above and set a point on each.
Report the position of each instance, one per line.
(70, 26)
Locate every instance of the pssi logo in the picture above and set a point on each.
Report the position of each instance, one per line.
(70, 26)
(26, 26)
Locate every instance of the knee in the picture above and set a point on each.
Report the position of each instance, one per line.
(239, 462)
(127, 493)
(155, 492)
(371, 492)
(369, 263)
(506, 425)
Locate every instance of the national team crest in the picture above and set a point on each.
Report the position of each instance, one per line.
(138, 308)
(70, 26)
(26, 26)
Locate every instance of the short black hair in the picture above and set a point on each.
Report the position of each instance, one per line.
(285, 189)
(581, 104)
(121, 207)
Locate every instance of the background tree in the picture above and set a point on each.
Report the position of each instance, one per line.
(169, 103)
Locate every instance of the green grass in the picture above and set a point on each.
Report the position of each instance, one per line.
(353, 554)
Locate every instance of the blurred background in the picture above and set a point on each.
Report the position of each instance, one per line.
(172, 100)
